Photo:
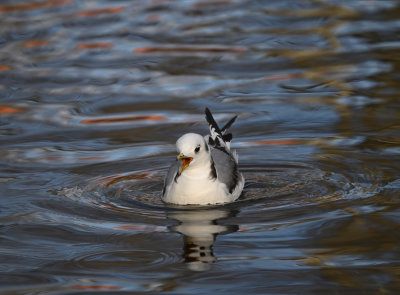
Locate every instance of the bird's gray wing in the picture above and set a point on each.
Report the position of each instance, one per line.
(173, 174)
(225, 167)
(224, 164)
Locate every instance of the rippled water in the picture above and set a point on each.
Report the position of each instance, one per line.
(95, 93)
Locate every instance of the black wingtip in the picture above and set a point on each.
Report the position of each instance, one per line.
(211, 121)
(228, 125)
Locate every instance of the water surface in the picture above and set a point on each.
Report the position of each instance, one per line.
(95, 93)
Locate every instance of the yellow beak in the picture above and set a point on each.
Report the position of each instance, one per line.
(185, 161)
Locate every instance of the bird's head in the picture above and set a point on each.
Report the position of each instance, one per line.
(192, 150)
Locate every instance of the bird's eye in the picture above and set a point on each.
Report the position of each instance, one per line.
(197, 149)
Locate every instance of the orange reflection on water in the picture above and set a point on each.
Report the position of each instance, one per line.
(29, 6)
(36, 43)
(4, 68)
(94, 45)
(101, 11)
(189, 49)
(54, 158)
(9, 110)
(118, 178)
(92, 158)
(123, 119)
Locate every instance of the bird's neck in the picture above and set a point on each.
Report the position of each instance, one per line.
(199, 169)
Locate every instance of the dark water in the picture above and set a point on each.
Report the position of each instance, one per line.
(95, 93)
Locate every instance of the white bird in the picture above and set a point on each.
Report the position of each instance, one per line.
(206, 171)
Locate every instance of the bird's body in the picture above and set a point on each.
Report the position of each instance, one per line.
(206, 172)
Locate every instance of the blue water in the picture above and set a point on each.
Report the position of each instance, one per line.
(94, 94)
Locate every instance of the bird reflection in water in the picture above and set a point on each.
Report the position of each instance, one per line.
(200, 229)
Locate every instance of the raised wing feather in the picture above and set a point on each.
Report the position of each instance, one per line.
(219, 137)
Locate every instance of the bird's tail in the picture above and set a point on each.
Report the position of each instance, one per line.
(218, 137)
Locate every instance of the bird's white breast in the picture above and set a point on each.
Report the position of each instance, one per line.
(196, 187)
